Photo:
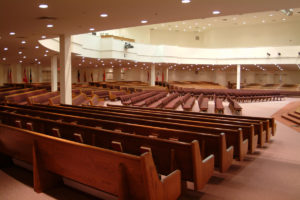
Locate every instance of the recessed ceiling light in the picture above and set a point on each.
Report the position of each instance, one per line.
(24, 57)
(144, 21)
(45, 54)
(5, 48)
(43, 6)
(49, 25)
(3, 58)
(92, 29)
(37, 47)
(12, 33)
(20, 61)
(23, 42)
(43, 36)
(185, 1)
(263, 21)
(39, 62)
(20, 52)
(216, 12)
(46, 51)
(104, 15)
(271, 15)
(35, 59)
(283, 19)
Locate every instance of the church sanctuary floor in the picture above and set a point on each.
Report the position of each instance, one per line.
(271, 173)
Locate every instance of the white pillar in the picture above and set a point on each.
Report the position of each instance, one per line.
(152, 75)
(65, 69)
(167, 75)
(54, 73)
(238, 77)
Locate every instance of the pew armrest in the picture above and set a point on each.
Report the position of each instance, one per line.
(172, 185)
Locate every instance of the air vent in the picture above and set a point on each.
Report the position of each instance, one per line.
(197, 37)
(47, 18)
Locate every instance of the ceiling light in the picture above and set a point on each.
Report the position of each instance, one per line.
(43, 36)
(24, 57)
(104, 15)
(35, 59)
(37, 47)
(216, 12)
(45, 54)
(92, 29)
(46, 51)
(263, 21)
(271, 15)
(283, 19)
(23, 42)
(20, 52)
(3, 58)
(39, 62)
(5, 49)
(20, 61)
(12, 33)
(185, 1)
(144, 21)
(49, 25)
(43, 6)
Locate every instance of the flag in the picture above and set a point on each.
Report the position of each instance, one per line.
(162, 77)
(25, 77)
(10, 76)
(30, 77)
(104, 76)
(84, 78)
(148, 75)
(92, 77)
(78, 76)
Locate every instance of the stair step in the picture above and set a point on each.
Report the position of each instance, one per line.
(294, 115)
(294, 120)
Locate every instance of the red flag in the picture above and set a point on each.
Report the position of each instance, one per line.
(92, 77)
(25, 77)
(162, 77)
(84, 78)
(104, 76)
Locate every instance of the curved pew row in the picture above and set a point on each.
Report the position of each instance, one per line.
(237, 135)
(252, 129)
(234, 137)
(168, 155)
(269, 125)
(210, 144)
(89, 165)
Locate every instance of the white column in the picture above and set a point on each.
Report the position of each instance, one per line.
(152, 75)
(167, 75)
(54, 73)
(238, 77)
(65, 69)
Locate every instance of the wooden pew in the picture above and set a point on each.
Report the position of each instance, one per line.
(42, 98)
(54, 101)
(168, 155)
(269, 125)
(81, 100)
(96, 101)
(238, 136)
(22, 98)
(122, 175)
(3, 94)
(235, 137)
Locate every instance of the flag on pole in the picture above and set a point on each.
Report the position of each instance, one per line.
(104, 76)
(148, 76)
(30, 77)
(78, 76)
(84, 78)
(92, 77)
(25, 76)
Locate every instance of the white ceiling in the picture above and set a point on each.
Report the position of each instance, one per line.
(77, 16)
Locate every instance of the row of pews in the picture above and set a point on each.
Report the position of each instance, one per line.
(135, 144)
